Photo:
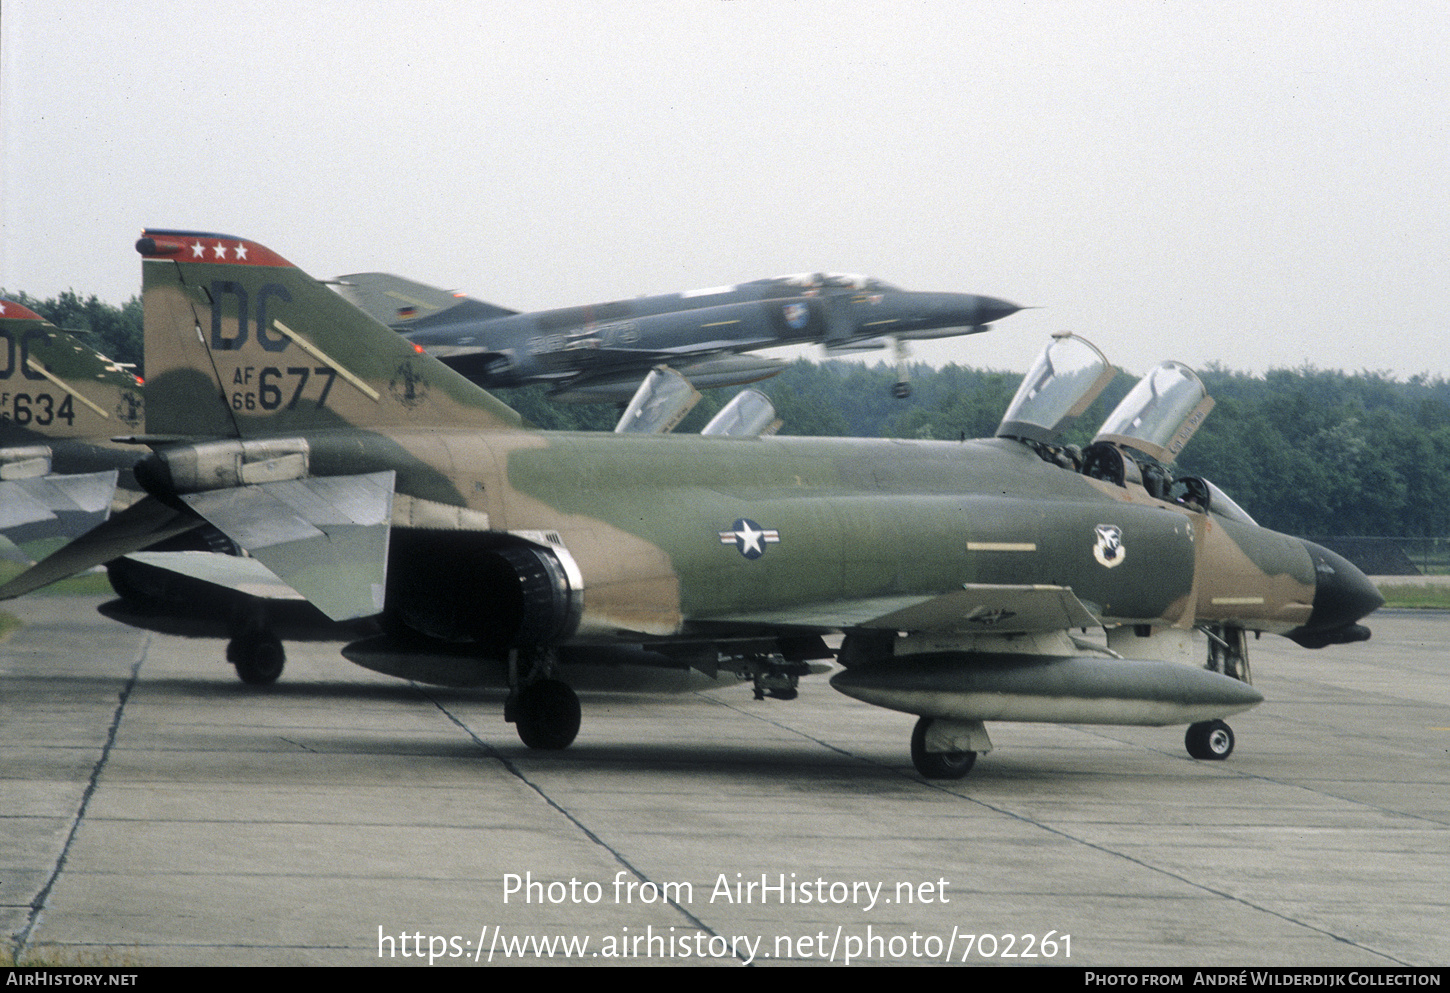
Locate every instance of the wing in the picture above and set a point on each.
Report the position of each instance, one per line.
(975, 608)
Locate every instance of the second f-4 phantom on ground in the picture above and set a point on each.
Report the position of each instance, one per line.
(377, 482)
(601, 352)
(60, 402)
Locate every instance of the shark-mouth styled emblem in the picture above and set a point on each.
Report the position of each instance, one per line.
(749, 538)
(1109, 550)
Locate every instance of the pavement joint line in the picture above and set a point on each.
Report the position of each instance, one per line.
(518, 773)
(37, 904)
(950, 791)
(1260, 777)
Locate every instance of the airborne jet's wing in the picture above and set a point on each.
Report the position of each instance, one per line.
(611, 359)
(983, 608)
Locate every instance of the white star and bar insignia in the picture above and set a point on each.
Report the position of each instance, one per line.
(749, 538)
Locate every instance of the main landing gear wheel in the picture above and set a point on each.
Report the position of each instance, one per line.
(901, 390)
(258, 656)
(938, 765)
(546, 714)
(1209, 740)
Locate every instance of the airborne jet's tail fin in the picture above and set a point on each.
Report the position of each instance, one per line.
(241, 343)
(407, 305)
(52, 385)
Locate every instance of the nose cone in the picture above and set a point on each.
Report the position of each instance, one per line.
(933, 315)
(1342, 595)
(992, 309)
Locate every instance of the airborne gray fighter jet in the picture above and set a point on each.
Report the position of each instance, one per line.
(601, 352)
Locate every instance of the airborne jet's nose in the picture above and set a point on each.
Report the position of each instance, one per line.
(916, 314)
(1342, 595)
(993, 309)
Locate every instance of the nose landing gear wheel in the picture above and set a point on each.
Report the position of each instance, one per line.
(1212, 740)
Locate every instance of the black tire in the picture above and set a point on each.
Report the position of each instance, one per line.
(901, 391)
(546, 715)
(258, 656)
(937, 765)
(1211, 740)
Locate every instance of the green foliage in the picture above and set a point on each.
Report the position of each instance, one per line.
(113, 331)
(1311, 452)
(1306, 451)
(93, 583)
(533, 403)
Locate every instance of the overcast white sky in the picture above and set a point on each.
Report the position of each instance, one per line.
(1260, 184)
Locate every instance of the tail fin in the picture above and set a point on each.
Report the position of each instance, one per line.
(52, 385)
(407, 305)
(241, 343)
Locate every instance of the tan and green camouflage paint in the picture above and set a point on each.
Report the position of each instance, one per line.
(643, 516)
(53, 387)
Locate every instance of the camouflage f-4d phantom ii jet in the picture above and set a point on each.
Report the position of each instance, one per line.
(376, 481)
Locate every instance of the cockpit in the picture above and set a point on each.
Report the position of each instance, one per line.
(818, 281)
(1137, 443)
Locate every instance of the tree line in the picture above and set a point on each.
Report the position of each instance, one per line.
(1306, 451)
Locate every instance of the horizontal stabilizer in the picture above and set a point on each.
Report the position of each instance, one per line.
(51, 510)
(139, 526)
(976, 608)
(324, 536)
(19, 505)
(233, 572)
